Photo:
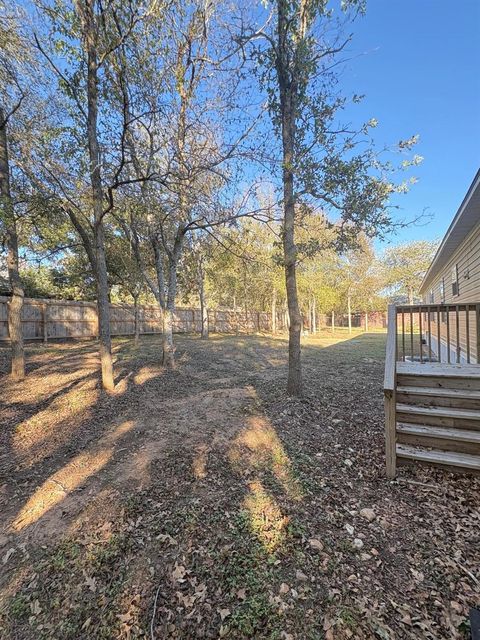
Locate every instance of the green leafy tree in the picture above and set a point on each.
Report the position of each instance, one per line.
(322, 161)
(405, 265)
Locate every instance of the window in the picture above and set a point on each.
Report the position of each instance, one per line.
(431, 297)
(442, 290)
(455, 287)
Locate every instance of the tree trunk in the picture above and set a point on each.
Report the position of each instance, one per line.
(136, 320)
(89, 29)
(203, 304)
(366, 321)
(288, 93)
(349, 311)
(274, 312)
(333, 322)
(103, 306)
(314, 316)
(7, 216)
(173, 258)
(237, 315)
(167, 340)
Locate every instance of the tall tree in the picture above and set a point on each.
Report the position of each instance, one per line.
(81, 168)
(7, 217)
(15, 59)
(298, 47)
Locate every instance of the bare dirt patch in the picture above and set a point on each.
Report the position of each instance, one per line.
(203, 503)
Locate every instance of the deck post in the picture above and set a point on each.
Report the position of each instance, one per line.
(390, 434)
(389, 388)
(477, 337)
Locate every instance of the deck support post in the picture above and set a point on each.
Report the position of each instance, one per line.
(390, 433)
(389, 390)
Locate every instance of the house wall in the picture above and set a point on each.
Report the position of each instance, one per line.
(467, 259)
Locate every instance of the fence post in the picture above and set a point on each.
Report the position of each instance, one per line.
(45, 321)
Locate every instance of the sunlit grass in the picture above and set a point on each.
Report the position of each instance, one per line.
(260, 447)
(267, 522)
(199, 463)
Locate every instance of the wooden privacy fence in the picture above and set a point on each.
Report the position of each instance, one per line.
(359, 320)
(44, 319)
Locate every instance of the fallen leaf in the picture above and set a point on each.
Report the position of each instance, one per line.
(8, 555)
(224, 613)
(316, 544)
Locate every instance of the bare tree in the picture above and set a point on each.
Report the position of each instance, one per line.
(100, 31)
(182, 150)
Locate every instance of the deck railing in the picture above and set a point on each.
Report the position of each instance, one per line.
(448, 333)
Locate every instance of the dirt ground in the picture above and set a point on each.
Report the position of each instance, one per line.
(203, 503)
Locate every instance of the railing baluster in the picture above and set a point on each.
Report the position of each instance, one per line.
(457, 333)
(439, 340)
(448, 333)
(403, 335)
(429, 335)
(467, 330)
(420, 332)
(396, 335)
(411, 332)
(477, 329)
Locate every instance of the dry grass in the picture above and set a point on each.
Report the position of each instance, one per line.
(233, 507)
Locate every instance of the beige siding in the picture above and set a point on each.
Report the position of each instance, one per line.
(467, 259)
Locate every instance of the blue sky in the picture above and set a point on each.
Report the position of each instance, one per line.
(419, 70)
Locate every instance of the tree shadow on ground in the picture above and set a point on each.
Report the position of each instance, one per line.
(198, 492)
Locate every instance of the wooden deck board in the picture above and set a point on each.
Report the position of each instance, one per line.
(442, 412)
(449, 458)
(442, 392)
(439, 369)
(444, 433)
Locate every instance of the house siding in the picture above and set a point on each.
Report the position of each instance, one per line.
(467, 259)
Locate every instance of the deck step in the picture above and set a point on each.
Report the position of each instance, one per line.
(434, 392)
(438, 412)
(434, 456)
(437, 369)
(443, 433)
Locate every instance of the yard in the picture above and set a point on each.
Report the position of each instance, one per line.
(203, 503)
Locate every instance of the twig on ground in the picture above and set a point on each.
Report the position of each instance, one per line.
(154, 614)
(469, 573)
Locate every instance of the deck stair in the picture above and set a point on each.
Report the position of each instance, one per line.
(432, 408)
(437, 414)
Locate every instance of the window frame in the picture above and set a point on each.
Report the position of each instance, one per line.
(455, 282)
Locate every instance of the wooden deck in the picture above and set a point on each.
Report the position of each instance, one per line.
(432, 411)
